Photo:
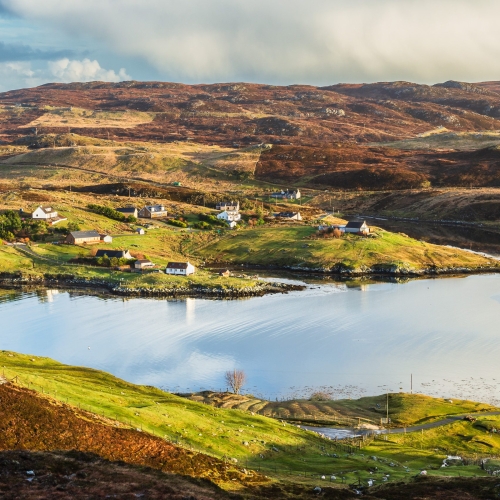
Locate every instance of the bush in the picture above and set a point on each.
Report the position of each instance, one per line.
(177, 223)
(202, 225)
(111, 213)
(211, 219)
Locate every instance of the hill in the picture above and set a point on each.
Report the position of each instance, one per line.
(393, 135)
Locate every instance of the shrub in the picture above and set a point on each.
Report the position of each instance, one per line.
(177, 223)
(111, 213)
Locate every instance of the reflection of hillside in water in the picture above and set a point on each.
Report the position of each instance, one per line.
(470, 238)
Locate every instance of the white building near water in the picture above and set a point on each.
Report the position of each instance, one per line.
(180, 268)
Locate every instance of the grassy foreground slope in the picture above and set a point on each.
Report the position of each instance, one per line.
(293, 246)
(279, 449)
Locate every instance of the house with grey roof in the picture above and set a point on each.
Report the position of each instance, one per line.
(83, 237)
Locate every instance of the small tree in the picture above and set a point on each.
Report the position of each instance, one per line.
(235, 379)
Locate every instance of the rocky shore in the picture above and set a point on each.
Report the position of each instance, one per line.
(69, 281)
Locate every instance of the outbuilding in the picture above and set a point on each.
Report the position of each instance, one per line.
(140, 231)
(289, 215)
(143, 264)
(128, 211)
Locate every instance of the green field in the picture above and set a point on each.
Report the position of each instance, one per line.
(293, 246)
(279, 449)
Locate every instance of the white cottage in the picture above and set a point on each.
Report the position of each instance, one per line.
(44, 213)
(180, 268)
(358, 227)
(229, 216)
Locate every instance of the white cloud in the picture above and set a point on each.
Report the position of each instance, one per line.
(23, 74)
(65, 70)
(313, 41)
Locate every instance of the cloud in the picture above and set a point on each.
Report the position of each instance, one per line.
(21, 74)
(286, 41)
(21, 52)
(66, 70)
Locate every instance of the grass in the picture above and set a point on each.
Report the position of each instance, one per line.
(404, 409)
(286, 246)
(302, 456)
(85, 118)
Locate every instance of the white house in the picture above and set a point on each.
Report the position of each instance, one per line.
(180, 268)
(228, 205)
(229, 216)
(358, 227)
(44, 213)
(287, 195)
(140, 231)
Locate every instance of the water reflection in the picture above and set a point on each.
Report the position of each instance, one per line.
(444, 331)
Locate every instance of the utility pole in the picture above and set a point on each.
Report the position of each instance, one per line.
(387, 406)
(411, 383)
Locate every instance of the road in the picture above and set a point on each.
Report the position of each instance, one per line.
(342, 433)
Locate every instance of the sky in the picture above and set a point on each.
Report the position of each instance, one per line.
(281, 42)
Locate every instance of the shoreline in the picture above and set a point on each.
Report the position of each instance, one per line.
(70, 282)
(16, 280)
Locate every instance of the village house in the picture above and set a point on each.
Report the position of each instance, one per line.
(153, 211)
(143, 264)
(180, 268)
(287, 195)
(140, 231)
(128, 211)
(357, 227)
(44, 213)
(230, 216)
(289, 215)
(83, 237)
(47, 214)
(118, 254)
(228, 205)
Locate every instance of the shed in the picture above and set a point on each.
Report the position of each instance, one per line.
(140, 231)
(106, 238)
(129, 211)
(143, 264)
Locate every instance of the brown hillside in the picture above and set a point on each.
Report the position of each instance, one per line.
(30, 422)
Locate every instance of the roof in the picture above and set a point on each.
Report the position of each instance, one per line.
(355, 224)
(85, 234)
(127, 210)
(155, 208)
(177, 265)
(143, 261)
(46, 210)
(119, 254)
(287, 214)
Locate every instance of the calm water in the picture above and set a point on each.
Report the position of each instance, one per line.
(446, 332)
